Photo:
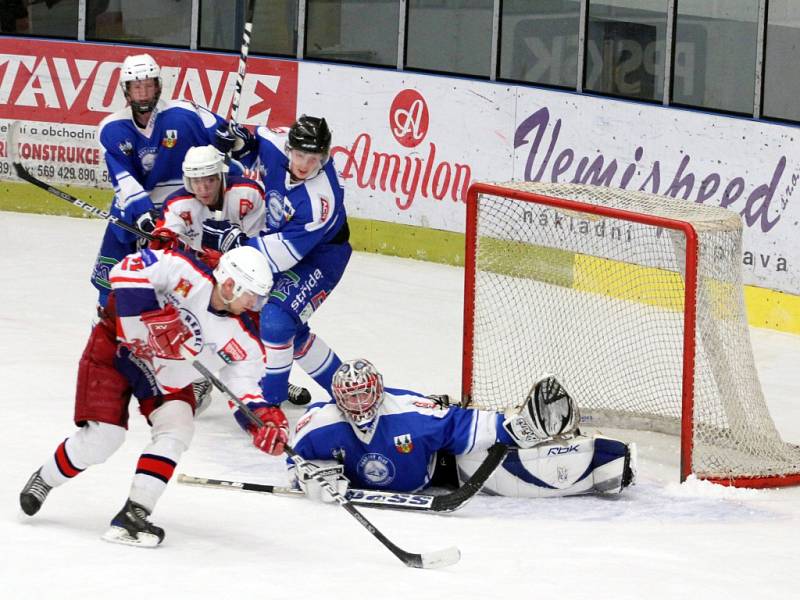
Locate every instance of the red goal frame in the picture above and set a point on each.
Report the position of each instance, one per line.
(689, 319)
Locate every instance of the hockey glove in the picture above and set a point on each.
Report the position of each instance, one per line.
(165, 239)
(167, 332)
(313, 488)
(147, 221)
(234, 139)
(222, 235)
(224, 139)
(272, 436)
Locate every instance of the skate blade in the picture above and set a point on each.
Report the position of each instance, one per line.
(118, 535)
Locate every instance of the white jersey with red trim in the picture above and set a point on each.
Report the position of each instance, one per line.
(148, 280)
(242, 204)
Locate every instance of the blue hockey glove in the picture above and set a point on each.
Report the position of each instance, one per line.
(222, 235)
(234, 139)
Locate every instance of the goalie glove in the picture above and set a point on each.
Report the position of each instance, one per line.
(332, 473)
(549, 411)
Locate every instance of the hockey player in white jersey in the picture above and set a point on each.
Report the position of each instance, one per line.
(143, 146)
(209, 189)
(389, 439)
(165, 305)
(306, 242)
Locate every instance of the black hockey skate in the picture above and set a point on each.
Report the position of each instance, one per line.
(131, 526)
(33, 494)
(299, 395)
(202, 395)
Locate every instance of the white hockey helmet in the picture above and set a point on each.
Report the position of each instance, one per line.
(202, 161)
(138, 68)
(357, 388)
(250, 272)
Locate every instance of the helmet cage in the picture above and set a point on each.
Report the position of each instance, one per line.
(357, 388)
(139, 68)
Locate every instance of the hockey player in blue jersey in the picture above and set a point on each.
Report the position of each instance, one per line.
(143, 146)
(306, 241)
(389, 439)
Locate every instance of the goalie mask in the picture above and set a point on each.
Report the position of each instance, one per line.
(140, 67)
(358, 390)
(250, 272)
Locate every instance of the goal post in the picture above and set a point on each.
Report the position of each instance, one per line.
(635, 302)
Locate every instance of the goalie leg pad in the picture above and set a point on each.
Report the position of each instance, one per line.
(581, 465)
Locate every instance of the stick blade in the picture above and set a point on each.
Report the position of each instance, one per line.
(435, 560)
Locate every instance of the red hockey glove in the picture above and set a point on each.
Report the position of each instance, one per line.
(272, 436)
(167, 331)
(165, 239)
(210, 257)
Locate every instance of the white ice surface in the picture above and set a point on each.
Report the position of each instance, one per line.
(659, 540)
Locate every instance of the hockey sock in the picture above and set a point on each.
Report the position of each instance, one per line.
(317, 359)
(275, 383)
(92, 444)
(173, 427)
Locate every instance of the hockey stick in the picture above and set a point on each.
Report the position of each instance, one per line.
(12, 142)
(443, 503)
(429, 560)
(244, 50)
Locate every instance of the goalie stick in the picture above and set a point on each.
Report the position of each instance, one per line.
(428, 560)
(444, 503)
(12, 142)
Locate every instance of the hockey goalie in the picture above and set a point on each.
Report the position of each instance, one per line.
(379, 438)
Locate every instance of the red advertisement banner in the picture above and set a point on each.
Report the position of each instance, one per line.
(78, 83)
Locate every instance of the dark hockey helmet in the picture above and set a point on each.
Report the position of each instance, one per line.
(310, 134)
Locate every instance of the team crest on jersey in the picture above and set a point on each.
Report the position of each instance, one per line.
(170, 138)
(232, 352)
(376, 468)
(183, 287)
(403, 443)
(126, 147)
(186, 217)
(196, 343)
(275, 213)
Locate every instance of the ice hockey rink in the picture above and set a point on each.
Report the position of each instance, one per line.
(658, 540)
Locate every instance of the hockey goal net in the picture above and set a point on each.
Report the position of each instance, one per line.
(635, 302)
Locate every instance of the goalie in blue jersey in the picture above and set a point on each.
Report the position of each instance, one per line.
(392, 439)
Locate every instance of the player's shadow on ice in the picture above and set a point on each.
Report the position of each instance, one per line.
(642, 502)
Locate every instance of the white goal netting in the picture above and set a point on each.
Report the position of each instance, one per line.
(599, 301)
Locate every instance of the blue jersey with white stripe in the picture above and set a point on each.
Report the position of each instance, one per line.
(399, 452)
(146, 162)
(301, 215)
(145, 166)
